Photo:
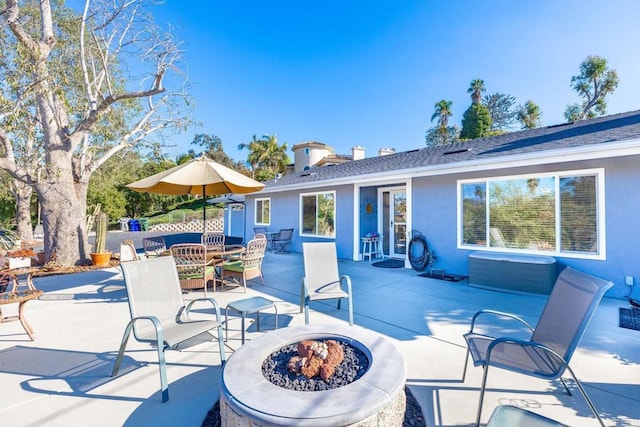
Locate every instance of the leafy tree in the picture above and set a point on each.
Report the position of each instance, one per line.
(593, 84)
(436, 136)
(476, 122)
(267, 156)
(476, 88)
(502, 110)
(77, 89)
(529, 115)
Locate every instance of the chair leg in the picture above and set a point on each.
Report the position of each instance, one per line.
(466, 362)
(350, 312)
(482, 389)
(584, 394)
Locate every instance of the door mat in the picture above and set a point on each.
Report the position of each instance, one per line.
(389, 263)
(630, 318)
(443, 276)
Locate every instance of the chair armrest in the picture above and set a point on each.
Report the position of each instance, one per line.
(213, 302)
(327, 285)
(156, 324)
(499, 314)
(346, 279)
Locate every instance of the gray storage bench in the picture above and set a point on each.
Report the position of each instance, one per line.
(512, 272)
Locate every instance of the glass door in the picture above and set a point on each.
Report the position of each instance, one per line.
(398, 224)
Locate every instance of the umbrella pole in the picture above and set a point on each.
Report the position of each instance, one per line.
(204, 211)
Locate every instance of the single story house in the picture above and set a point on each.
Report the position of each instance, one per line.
(566, 191)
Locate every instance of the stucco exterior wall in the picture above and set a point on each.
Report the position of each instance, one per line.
(435, 215)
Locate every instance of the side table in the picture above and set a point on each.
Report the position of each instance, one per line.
(248, 306)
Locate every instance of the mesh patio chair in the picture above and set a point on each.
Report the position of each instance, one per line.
(158, 312)
(194, 270)
(213, 240)
(282, 239)
(321, 279)
(154, 246)
(249, 263)
(569, 309)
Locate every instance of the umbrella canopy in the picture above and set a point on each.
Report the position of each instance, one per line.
(199, 176)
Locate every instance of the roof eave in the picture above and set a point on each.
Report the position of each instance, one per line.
(584, 152)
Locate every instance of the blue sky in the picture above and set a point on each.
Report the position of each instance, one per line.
(369, 73)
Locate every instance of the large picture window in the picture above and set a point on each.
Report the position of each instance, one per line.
(263, 212)
(318, 213)
(550, 213)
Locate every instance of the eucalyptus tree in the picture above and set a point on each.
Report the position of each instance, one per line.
(593, 84)
(77, 88)
(529, 115)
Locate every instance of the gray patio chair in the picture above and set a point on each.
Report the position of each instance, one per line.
(158, 313)
(154, 246)
(569, 309)
(321, 279)
(282, 239)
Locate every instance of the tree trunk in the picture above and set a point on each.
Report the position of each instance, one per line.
(23, 211)
(64, 222)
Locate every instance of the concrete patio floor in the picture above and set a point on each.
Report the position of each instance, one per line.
(63, 377)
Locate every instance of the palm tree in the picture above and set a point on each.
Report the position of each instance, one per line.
(266, 154)
(529, 115)
(442, 113)
(475, 89)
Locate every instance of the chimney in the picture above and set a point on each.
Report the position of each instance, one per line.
(357, 153)
(385, 151)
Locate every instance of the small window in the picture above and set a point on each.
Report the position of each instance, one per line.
(263, 211)
(554, 214)
(317, 214)
(307, 151)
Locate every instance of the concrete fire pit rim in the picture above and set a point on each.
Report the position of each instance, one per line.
(250, 394)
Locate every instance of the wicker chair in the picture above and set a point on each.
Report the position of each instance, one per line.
(249, 264)
(194, 271)
(213, 240)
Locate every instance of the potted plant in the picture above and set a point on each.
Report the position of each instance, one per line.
(100, 257)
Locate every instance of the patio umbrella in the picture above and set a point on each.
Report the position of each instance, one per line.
(199, 176)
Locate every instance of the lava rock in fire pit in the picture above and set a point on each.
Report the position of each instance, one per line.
(354, 363)
(316, 358)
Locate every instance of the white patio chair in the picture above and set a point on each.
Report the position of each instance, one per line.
(158, 312)
(321, 279)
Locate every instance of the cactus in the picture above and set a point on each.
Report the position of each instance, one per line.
(101, 232)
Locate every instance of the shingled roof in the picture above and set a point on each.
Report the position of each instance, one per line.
(601, 130)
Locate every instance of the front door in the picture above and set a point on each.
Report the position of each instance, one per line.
(394, 222)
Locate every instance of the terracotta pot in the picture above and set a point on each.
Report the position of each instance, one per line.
(100, 259)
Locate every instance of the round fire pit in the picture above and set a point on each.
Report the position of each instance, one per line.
(247, 398)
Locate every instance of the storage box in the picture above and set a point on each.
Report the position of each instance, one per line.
(512, 272)
(19, 262)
